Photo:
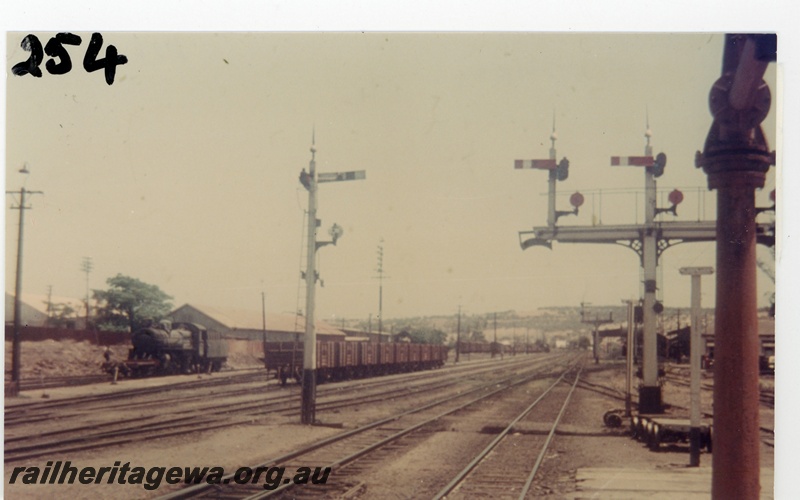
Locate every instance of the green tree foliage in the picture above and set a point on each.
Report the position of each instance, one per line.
(130, 304)
(424, 335)
(61, 315)
(476, 336)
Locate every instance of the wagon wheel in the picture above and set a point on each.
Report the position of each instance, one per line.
(655, 438)
(647, 434)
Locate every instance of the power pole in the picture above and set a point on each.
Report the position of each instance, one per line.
(458, 334)
(16, 349)
(528, 347)
(736, 159)
(263, 318)
(514, 345)
(495, 347)
(49, 302)
(380, 294)
(310, 181)
(86, 267)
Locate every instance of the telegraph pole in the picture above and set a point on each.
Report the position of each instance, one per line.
(86, 267)
(310, 181)
(495, 347)
(263, 318)
(736, 159)
(527, 340)
(16, 348)
(458, 334)
(380, 294)
(49, 302)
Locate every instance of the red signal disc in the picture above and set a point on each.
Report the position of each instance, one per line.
(675, 197)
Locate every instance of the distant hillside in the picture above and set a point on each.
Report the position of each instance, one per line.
(545, 323)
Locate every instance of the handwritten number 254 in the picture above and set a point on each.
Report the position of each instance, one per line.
(56, 50)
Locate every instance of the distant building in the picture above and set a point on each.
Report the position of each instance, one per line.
(371, 336)
(249, 325)
(43, 311)
(766, 337)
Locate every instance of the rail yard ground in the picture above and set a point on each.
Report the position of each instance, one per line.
(415, 466)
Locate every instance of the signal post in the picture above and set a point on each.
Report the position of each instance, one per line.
(648, 240)
(310, 181)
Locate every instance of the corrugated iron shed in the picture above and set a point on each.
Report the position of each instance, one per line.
(248, 324)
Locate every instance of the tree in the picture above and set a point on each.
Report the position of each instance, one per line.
(62, 316)
(424, 335)
(477, 336)
(130, 304)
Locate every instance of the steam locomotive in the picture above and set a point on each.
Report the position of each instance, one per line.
(173, 349)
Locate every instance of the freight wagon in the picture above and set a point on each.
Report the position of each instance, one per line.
(486, 347)
(347, 359)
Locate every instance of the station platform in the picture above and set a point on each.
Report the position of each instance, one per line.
(664, 483)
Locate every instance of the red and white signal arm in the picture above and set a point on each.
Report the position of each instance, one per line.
(576, 200)
(675, 197)
(632, 161)
(540, 164)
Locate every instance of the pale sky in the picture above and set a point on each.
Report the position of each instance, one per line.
(183, 173)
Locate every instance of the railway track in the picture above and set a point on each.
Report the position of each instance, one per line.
(23, 409)
(44, 383)
(127, 398)
(510, 461)
(766, 398)
(201, 416)
(199, 391)
(349, 452)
